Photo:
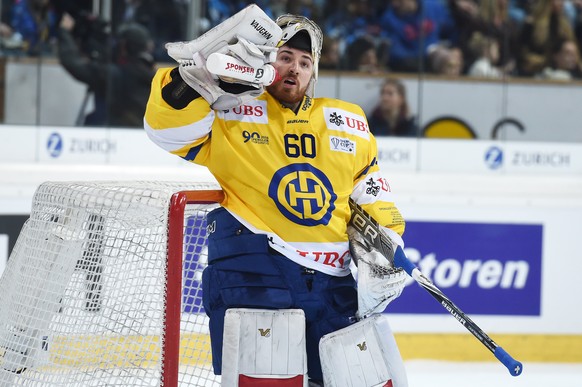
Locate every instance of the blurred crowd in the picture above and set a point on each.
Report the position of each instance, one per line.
(481, 38)
(115, 54)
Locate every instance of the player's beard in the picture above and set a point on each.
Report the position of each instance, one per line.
(287, 95)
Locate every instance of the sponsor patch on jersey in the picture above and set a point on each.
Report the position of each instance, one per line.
(297, 122)
(255, 138)
(345, 121)
(253, 112)
(341, 144)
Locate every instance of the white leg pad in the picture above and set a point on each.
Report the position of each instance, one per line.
(264, 348)
(364, 354)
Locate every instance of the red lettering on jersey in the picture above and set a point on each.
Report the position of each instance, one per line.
(356, 124)
(362, 126)
(302, 253)
(384, 184)
(248, 110)
(331, 258)
(317, 255)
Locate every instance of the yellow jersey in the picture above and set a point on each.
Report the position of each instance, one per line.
(284, 174)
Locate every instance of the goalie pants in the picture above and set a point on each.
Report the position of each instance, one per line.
(243, 272)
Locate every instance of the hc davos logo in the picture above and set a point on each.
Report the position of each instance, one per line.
(54, 145)
(494, 157)
(303, 194)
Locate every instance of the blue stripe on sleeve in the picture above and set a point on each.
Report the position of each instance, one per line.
(193, 152)
(365, 171)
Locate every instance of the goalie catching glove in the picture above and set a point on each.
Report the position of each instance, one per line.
(379, 283)
(250, 38)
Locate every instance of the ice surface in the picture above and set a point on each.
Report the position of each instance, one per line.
(491, 374)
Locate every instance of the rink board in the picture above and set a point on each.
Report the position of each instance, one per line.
(94, 351)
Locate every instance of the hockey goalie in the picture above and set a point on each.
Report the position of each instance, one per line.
(285, 308)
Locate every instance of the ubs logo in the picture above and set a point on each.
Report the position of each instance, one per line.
(303, 194)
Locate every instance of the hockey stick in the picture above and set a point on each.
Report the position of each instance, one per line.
(368, 227)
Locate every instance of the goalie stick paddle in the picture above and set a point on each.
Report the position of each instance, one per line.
(371, 231)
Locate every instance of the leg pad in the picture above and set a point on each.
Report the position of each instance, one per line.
(264, 348)
(362, 354)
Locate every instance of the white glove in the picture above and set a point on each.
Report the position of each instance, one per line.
(250, 24)
(197, 76)
(249, 35)
(378, 282)
(254, 55)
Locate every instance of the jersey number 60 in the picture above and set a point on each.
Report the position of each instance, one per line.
(303, 145)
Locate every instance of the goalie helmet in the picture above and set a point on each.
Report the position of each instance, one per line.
(302, 33)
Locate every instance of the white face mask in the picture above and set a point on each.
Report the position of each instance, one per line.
(291, 24)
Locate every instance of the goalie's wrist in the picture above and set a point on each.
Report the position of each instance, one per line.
(177, 93)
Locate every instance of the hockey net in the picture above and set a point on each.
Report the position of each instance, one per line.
(103, 287)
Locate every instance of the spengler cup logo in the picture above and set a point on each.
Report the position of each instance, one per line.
(303, 194)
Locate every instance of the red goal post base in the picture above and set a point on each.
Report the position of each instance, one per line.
(173, 312)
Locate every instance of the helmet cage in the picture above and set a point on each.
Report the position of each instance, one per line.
(291, 25)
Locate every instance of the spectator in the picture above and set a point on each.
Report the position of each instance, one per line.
(565, 63)
(486, 50)
(519, 9)
(546, 25)
(570, 11)
(330, 54)
(465, 14)
(578, 21)
(504, 29)
(362, 56)
(413, 27)
(355, 20)
(447, 61)
(10, 42)
(164, 19)
(307, 8)
(392, 117)
(490, 18)
(120, 86)
(36, 22)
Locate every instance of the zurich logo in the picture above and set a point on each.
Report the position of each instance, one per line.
(54, 145)
(494, 157)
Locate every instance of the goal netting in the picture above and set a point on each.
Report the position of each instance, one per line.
(103, 287)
